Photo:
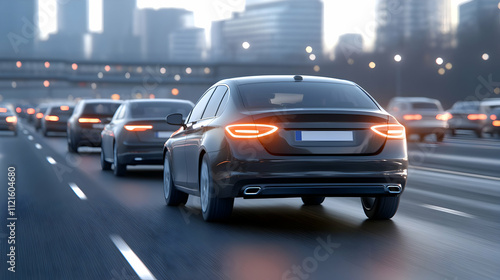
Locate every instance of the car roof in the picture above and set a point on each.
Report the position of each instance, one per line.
(414, 99)
(283, 78)
(169, 100)
(101, 101)
(490, 102)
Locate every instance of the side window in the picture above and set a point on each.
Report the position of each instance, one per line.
(214, 102)
(222, 104)
(198, 109)
(121, 114)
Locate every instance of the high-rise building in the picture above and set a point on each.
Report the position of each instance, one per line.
(187, 45)
(72, 17)
(349, 44)
(479, 25)
(154, 28)
(17, 28)
(271, 30)
(413, 23)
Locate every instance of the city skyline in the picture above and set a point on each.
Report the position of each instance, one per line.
(338, 22)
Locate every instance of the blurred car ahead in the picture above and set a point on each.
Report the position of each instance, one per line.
(493, 125)
(56, 118)
(468, 115)
(88, 120)
(39, 114)
(8, 119)
(286, 136)
(419, 115)
(137, 132)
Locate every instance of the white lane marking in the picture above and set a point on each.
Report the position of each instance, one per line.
(446, 210)
(455, 173)
(78, 191)
(38, 146)
(134, 261)
(51, 160)
(25, 131)
(30, 137)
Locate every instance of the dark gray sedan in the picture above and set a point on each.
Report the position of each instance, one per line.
(137, 132)
(286, 136)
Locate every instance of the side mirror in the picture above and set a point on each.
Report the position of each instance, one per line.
(175, 119)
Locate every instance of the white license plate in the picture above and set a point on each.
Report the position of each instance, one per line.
(324, 136)
(98, 125)
(163, 134)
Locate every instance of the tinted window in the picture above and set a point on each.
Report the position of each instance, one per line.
(120, 113)
(214, 102)
(200, 106)
(222, 104)
(304, 95)
(105, 109)
(466, 106)
(424, 105)
(61, 111)
(158, 109)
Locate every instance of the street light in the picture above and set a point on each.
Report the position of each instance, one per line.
(439, 61)
(309, 49)
(485, 56)
(74, 66)
(312, 57)
(372, 65)
(19, 64)
(47, 64)
(245, 45)
(397, 58)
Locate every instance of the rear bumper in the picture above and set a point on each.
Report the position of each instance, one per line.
(137, 154)
(427, 127)
(281, 176)
(10, 127)
(54, 126)
(463, 124)
(87, 137)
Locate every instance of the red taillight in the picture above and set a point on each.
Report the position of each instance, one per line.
(11, 119)
(89, 120)
(138, 127)
(39, 115)
(30, 111)
(496, 123)
(19, 110)
(250, 130)
(415, 117)
(493, 117)
(391, 131)
(64, 108)
(475, 117)
(51, 118)
(444, 117)
(3, 110)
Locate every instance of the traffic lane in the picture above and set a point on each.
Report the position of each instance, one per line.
(55, 238)
(469, 157)
(274, 221)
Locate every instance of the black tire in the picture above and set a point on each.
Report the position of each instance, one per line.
(440, 137)
(105, 165)
(313, 200)
(212, 207)
(453, 132)
(120, 168)
(72, 148)
(173, 197)
(479, 133)
(380, 208)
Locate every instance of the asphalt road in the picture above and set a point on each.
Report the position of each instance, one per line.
(75, 221)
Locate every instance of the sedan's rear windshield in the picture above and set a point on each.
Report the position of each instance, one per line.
(155, 110)
(473, 106)
(304, 95)
(105, 109)
(424, 105)
(61, 111)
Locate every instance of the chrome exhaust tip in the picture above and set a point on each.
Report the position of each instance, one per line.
(252, 191)
(393, 189)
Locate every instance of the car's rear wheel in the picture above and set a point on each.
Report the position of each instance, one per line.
(440, 137)
(380, 208)
(72, 148)
(120, 168)
(173, 197)
(313, 200)
(453, 132)
(105, 165)
(212, 207)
